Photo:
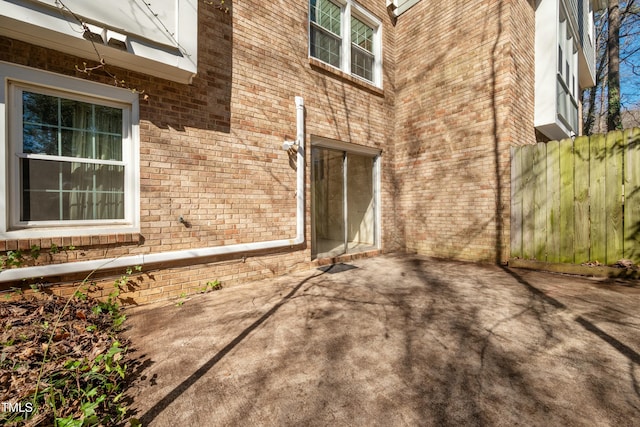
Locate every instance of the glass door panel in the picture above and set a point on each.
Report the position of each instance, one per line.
(360, 203)
(328, 202)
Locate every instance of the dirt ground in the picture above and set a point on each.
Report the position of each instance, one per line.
(391, 341)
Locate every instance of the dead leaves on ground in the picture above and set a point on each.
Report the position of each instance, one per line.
(33, 329)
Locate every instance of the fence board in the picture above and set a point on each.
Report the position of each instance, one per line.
(553, 201)
(597, 188)
(577, 201)
(516, 202)
(567, 202)
(540, 202)
(613, 197)
(582, 238)
(632, 195)
(528, 223)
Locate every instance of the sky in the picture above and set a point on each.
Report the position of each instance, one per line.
(630, 82)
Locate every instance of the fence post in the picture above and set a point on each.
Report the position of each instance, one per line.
(598, 190)
(553, 201)
(528, 183)
(613, 197)
(516, 202)
(581, 242)
(632, 195)
(540, 202)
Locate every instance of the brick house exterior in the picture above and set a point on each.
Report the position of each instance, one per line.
(465, 97)
(456, 89)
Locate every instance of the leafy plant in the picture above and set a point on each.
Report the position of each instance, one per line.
(18, 258)
(35, 251)
(74, 387)
(181, 299)
(214, 285)
(12, 259)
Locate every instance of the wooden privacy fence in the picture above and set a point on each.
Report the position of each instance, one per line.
(577, 201)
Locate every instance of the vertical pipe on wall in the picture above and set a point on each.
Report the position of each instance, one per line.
(300, 169)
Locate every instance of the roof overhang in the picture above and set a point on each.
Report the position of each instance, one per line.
(136, 42)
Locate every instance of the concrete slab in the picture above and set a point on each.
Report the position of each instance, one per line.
(399, 340)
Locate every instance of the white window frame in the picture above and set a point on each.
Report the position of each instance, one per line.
(347, 9)
(16, 78)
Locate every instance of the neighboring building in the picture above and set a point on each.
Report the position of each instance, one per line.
(237, 140)
(565, 63)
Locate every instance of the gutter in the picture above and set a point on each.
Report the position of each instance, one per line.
(16, 274)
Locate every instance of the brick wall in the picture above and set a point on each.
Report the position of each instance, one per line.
(464, 94)
(210, 151)
(457, 92)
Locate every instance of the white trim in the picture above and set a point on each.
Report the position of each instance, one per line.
(15, 78)
(398, 7)
(70, 159)
(377, 199)
(318, 141)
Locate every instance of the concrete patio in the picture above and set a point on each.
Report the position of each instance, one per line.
(391, 341)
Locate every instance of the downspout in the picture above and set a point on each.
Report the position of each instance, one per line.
(15, 274)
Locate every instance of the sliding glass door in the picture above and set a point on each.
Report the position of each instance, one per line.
(344, 202)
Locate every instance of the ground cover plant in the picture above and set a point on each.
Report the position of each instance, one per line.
(62, 361)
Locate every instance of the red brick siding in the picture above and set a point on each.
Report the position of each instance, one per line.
(457, 92)
(211, 151)
(461, 102)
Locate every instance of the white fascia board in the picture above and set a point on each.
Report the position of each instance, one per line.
(398, 7)
(37, 23)
(554, 131)
(585, 78)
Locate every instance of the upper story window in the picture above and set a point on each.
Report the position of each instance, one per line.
(71, 156)
(346, 36)
(567, 103)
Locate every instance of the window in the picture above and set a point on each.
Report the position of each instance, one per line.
(362, 58)
(70, 165)
(560, 61)
(347, 37)
(566, 104)
(71, 157)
